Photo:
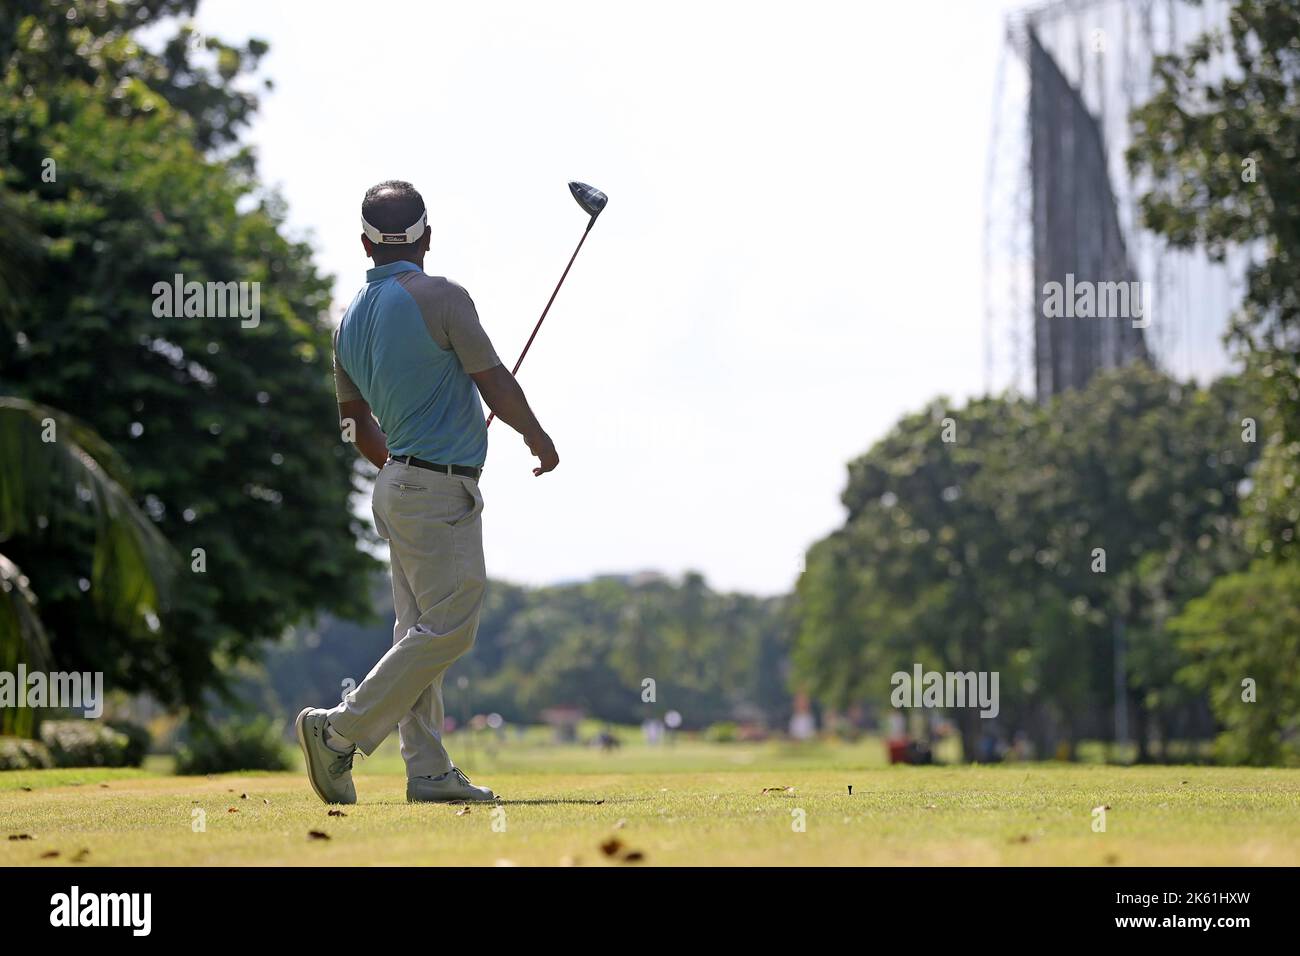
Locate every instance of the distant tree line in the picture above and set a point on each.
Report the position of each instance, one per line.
(710, 656)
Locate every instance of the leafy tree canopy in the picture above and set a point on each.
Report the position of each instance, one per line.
(125, 165)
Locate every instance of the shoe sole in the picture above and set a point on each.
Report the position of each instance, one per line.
(492, 799)
(300, 728)
(451, 799)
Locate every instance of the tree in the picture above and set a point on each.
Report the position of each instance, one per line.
(1148, 471)
(924, 570)
(1243, 641)
(1018, 545)
(127, 165)
(1223, 152)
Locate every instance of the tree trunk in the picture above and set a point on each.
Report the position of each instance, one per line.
(968, 724)
(1141, 727)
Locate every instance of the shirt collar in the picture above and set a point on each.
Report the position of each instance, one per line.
(383, 272)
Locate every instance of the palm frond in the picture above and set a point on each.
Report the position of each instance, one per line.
(22, 637)
(51, 465)
(22, 641)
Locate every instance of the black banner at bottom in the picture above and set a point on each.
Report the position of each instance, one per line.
(234, 905)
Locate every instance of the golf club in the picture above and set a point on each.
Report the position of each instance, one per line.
(592, 201)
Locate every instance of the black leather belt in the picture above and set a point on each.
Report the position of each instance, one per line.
(464, 471)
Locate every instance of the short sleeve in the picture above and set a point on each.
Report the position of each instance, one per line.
(344, 388)
(465, 333)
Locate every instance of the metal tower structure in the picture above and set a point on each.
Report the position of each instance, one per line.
(1059, 198)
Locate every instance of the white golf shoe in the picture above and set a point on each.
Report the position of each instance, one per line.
(329, 771)
(450, 787)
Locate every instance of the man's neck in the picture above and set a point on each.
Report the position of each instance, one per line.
(416, 260)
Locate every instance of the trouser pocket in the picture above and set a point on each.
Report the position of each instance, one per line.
(428, 496)
(476, 501)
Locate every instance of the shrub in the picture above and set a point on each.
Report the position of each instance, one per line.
(255, 745)
(84, 743)
(1247, 625)
(724, 732)
(19, 753)
(137, 741)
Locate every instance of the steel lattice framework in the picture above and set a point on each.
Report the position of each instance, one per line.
(1060, 199)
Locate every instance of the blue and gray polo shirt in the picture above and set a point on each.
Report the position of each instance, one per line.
(408, 344)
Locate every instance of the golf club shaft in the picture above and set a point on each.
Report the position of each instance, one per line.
(528, 344)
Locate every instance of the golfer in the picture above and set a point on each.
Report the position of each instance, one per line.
(410, 362)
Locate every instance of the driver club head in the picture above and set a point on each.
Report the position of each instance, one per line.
(591, 199)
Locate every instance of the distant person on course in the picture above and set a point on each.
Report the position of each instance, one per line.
(410, 362)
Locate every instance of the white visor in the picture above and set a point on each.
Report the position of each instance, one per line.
(412, 233)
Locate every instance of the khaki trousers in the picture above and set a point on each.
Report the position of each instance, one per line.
(435, 535)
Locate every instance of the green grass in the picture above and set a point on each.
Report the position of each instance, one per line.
(687, 804)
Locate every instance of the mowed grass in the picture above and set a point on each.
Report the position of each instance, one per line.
(690, 804)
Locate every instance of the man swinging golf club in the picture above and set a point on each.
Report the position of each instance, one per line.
(410, 362)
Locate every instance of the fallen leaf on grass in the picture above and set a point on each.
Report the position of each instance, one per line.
(336, 813)
(49, 854)
(103, 786)
(317, 835)
(233, 810)
(20, 836)
(615, 847)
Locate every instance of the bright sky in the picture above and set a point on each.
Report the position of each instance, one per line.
(789, 261)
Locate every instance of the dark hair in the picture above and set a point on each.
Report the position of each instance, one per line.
(392, 206)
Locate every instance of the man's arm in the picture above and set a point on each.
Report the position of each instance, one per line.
(369, 437)
(506, 399)
(355, 415)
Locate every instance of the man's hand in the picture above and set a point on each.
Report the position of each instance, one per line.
(360, 426)
(506, 399)
(542, 446)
